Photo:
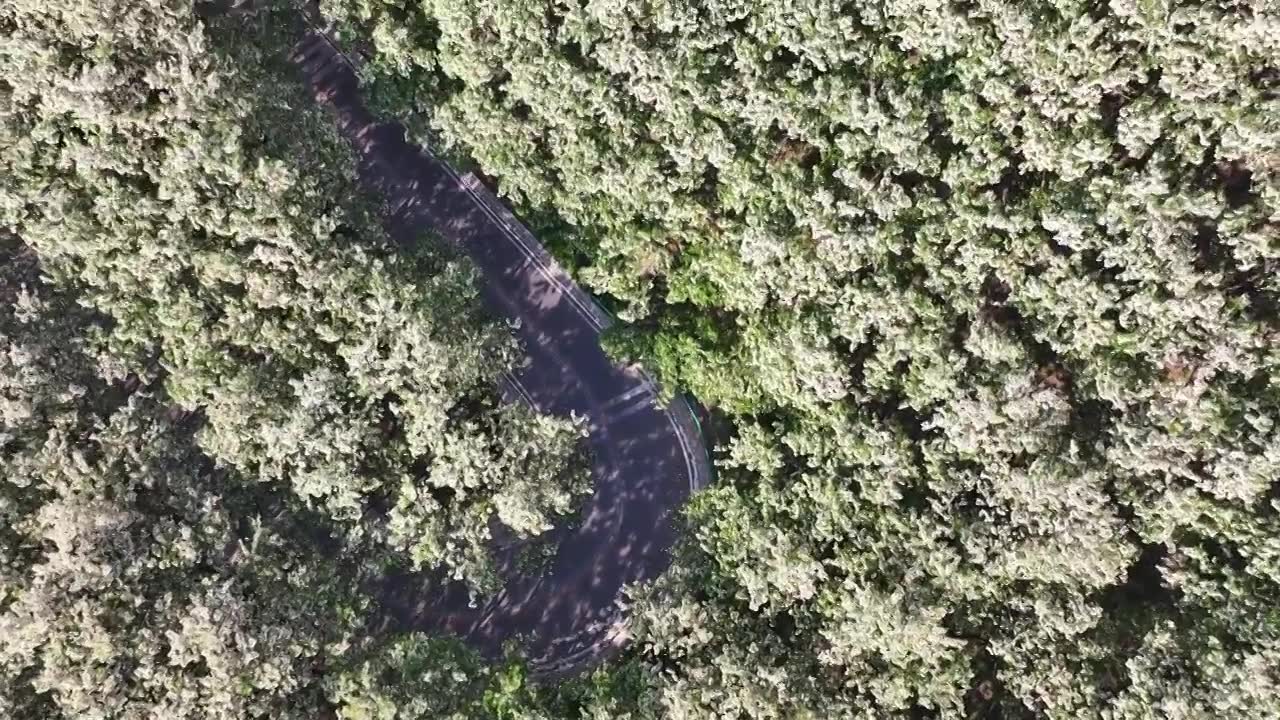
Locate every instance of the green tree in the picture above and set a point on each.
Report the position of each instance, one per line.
(136, 578)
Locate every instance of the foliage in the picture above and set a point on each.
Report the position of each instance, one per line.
(989, 290)
(177, 174)
(417, 677)
(137, 579)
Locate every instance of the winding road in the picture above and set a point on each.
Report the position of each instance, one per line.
(646, 459)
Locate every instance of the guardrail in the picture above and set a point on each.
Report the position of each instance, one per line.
(685, 418)
(533, 250)
(680, 411)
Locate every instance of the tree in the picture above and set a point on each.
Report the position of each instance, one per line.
(136, 578)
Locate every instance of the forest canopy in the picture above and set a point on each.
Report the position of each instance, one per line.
(982, 296)
(226, 400)
(984, 293)
(181, 181)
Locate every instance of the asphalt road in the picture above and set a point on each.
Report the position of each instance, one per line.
(645, 458)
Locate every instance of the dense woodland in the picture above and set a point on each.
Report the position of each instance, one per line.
(225, 399)
(983, 296)
(986, 293)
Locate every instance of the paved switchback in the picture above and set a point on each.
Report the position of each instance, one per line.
(646, 459)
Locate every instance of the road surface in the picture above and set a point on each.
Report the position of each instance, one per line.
(646, 459)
